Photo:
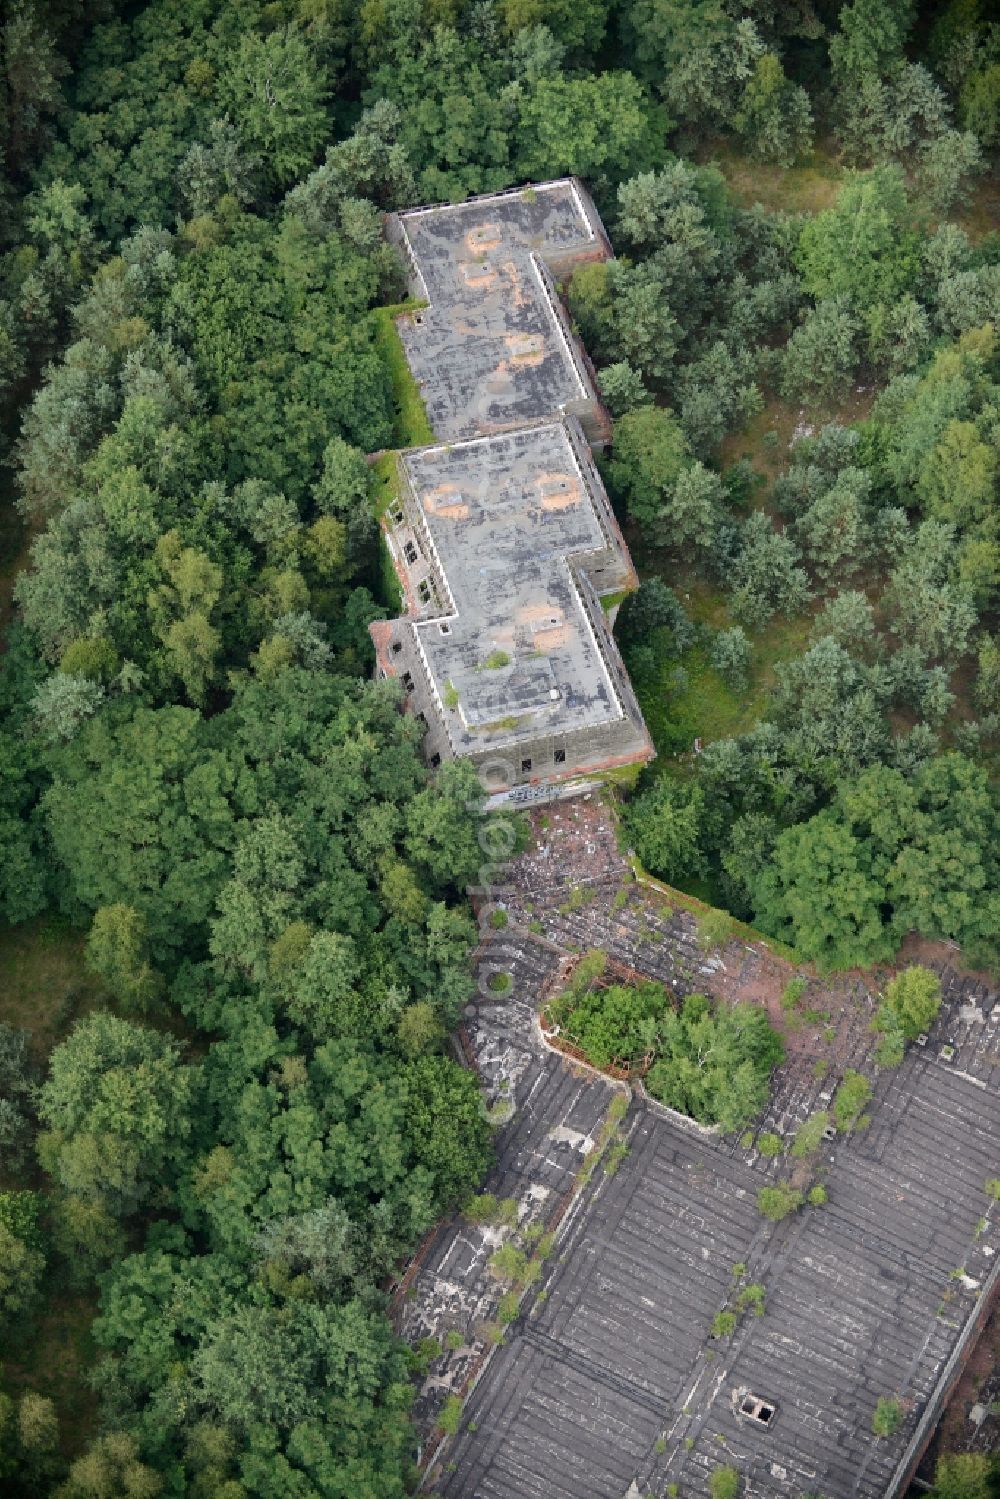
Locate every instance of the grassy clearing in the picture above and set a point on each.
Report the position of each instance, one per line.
(685, 698)
(767, 438)
(386, 481)
(411, 427)
(386, 489)
(44, 986)
(808, 187)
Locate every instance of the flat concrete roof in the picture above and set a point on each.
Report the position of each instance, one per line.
(505, 514)
(491, 350)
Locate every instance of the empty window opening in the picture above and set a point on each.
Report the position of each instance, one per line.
(408, 681)
(424, 590)
(559, 756)
(435, 761)
(444, 628)
(410, 552)
(397, 646)
(757, 1410)
(525, 766)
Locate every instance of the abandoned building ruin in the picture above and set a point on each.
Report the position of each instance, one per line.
(613, 1380)
(502, 535)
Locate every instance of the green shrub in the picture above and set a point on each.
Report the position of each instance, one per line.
(888, 1416)
(616, 1153)
(809, 1135)
(849, 1101)
(509, 1263)
(731, 657)
(715, 929)
(723, 1324)
(451, 1415)
(911, 1004)
(778, 1201)
(495, 660)
(714, 1061)
(481, 1209)
(617, 1024)
(509, 1307)
(793, 992)
(769, 1144)
(817, 1195)
(724, 1483)
(423, 1354)
(500, 983)
(891, 1049)
(752, 1298)
(993, 1188)
(454, 1340)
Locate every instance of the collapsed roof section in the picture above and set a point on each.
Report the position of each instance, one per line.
(493, 347)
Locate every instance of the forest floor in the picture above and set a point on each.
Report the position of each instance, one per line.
(44, 988)
(808, 187)
(15, 542)
(814, 183)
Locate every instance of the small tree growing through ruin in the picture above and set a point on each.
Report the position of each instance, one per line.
(911, 1004)
(724, 1483)
(849, 1102)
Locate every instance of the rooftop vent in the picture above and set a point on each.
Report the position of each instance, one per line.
(755, 1409)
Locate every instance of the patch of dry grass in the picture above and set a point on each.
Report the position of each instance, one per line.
(808, 187)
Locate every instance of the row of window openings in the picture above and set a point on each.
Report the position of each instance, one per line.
(558, 755)
(425, 589)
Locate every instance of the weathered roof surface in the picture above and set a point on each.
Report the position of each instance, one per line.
(611, 1377)
(505, 514)
(863, 1301)
(492, 350)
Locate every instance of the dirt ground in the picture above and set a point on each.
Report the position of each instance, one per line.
(978, 1386)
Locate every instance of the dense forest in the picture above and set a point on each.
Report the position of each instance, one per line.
(218, 1152)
